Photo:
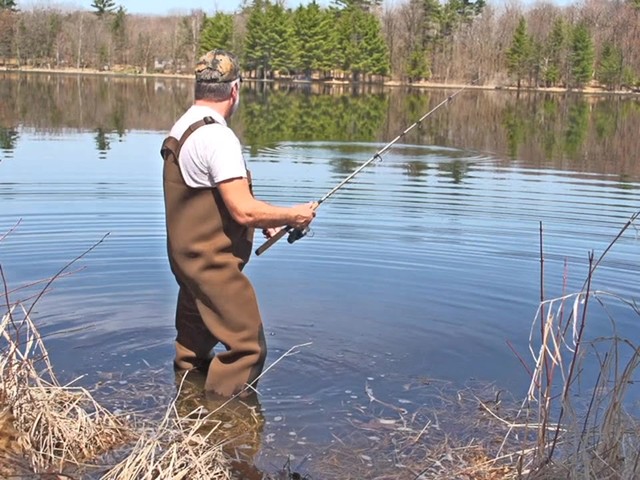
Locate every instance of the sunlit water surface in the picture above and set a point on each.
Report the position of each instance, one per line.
(422, 270)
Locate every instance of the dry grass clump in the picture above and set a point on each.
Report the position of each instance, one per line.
(580, 424)
(179, 448)
(452, 438)
(55, 425)
(48, 428)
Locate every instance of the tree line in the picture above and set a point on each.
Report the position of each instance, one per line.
(357, 40)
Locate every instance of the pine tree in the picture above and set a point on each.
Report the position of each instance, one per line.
(456, 12)
(362, 46)
(610, 67)
(119, 32)
(375, 50)
(281, 40)
(103, 7)
(217, 32)
(417, 68)
(555, 52)
(519, 54)
(582, 56)
(351, 36)
(313, 32)
(431, 21)
(255, 49)
(8, 5)
(269, 43)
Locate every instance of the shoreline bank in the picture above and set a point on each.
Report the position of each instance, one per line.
(390, 83)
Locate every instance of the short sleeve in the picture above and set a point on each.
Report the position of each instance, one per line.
(219, 153)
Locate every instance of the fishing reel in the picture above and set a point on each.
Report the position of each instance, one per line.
(296, 234)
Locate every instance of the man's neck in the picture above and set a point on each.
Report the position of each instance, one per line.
(219, 107)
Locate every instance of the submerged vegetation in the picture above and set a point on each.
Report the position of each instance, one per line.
(573, 422)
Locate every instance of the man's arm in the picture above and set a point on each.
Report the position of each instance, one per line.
(248, 211)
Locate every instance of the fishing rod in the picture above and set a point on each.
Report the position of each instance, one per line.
(297, 234)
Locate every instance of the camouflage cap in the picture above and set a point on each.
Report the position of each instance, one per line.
(217, 66)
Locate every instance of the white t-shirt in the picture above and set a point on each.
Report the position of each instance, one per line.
(211, 154)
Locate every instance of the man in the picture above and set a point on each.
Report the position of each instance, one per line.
(210, 217)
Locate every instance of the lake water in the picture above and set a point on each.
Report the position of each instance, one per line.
(424, 269)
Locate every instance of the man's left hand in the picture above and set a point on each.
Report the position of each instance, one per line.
(270, 232)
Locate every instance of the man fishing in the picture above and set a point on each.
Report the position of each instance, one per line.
(210, 216)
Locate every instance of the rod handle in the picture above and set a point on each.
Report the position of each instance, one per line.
(266, 245)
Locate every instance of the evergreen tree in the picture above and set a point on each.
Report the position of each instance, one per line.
(455, 12)
(361, 44)
(119, 32)
(519, 54)
(417, 68)
(314, 34)
(255, 49)
(610, 67)
(450, 17)
(375, 51)
(8, 5)
(555, 51)
(269, 43)
(350, 26)
(280, 38)
(103, 6)
(431, 21)
(217, 32)
(582, 56)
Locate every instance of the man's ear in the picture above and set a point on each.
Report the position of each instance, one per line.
(236, 88)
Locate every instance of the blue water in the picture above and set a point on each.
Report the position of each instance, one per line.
(413, 271)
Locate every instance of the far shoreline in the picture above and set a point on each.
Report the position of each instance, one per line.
(592, 90)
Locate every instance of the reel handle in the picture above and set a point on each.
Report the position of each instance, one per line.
(266, 245)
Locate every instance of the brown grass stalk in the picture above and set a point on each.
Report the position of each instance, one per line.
(601, 440)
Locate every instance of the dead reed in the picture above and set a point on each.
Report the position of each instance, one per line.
(180, 447)
(580, 435)
(54, 425)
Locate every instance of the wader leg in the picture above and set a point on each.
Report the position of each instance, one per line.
(194, 341)
(238, 326)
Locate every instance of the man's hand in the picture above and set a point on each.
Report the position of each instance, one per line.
(303, 215)
(270, 232)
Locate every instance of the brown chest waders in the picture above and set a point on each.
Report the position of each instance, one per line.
(207, 251)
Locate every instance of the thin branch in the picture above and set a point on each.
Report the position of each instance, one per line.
(52, 279)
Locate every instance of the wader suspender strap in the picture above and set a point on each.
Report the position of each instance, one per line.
(167, 148)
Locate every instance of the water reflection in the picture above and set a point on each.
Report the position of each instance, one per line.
(236, 425)
(577, 126)
(103, 142)
(596, 134)
(456, 169)
(416, 168)
(420, 269)
(8, 141)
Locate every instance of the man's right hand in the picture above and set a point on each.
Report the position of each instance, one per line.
(303, 214)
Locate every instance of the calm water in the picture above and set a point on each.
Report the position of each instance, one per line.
(423, 268)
